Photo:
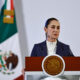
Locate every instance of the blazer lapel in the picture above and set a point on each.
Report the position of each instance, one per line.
(44, 48)
(59, 48)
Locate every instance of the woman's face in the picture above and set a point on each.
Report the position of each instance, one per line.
(53, 30)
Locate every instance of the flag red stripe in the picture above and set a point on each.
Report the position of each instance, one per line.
(12, 7)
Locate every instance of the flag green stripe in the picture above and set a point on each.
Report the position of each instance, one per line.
(6, 30)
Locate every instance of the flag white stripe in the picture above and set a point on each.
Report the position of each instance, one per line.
(12, 44)
(8, 7)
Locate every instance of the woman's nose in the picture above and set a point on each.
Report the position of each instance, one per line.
(55, 29)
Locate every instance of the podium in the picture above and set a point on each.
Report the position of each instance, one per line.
(33, 66)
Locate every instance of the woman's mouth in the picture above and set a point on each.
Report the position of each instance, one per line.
(55, 34)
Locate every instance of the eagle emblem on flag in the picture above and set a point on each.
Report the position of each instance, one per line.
(8, 62)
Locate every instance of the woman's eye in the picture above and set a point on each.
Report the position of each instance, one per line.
(58, 27)
(53, 27)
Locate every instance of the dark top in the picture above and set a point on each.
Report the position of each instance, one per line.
(41, 49)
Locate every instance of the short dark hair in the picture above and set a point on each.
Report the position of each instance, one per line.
(49, 20)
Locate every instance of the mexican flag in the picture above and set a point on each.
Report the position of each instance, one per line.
(10, 54)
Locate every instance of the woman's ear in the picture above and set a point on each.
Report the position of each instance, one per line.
(45, 29)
